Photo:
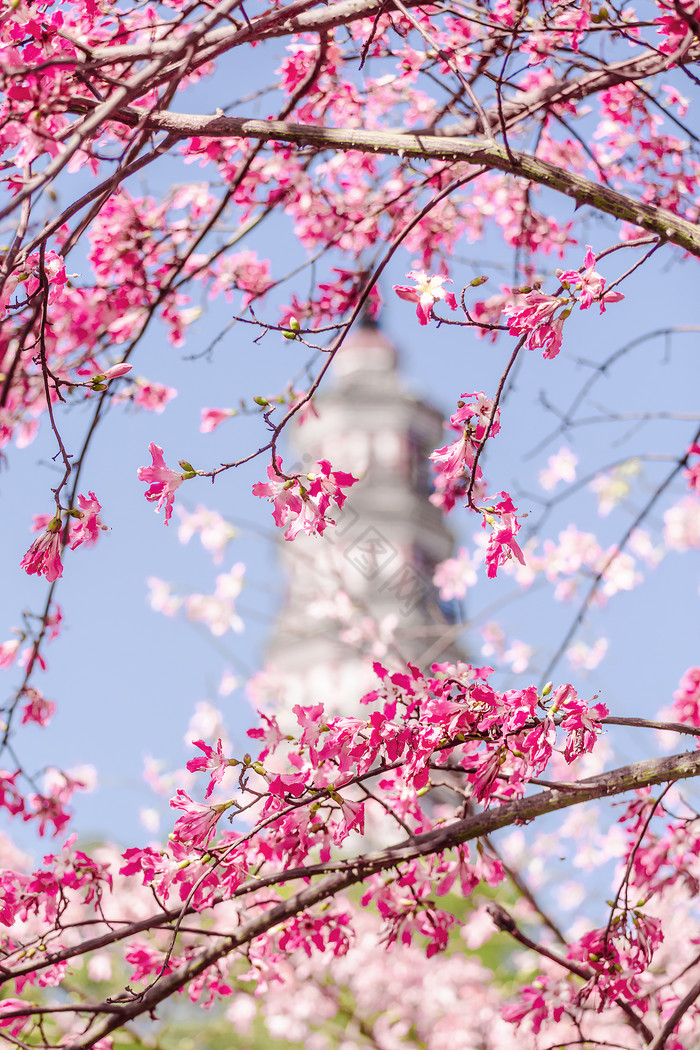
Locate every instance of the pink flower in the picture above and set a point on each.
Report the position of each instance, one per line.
(308, 520)
(453, 460)
(580, 720)
(502, 544)
(589, 283)
(352, 816)
(8, 652)
(89, 525)
(548, 337)
(15, 1024)
(37, 709)
(211, 759)
(213, 417)
(44, 555)
(538, 309)
(283, 784)
(426, 293)
(196, 826)
(297, 508)
(686, 699)
(537, 1002)
(48, 809)
(283, 493)
(692, 474)
(154, 396)
(164, 481)
(560, 467)
(326, 485)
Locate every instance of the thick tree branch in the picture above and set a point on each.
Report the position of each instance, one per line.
(564, 91)
(663, 223)
(346, 873)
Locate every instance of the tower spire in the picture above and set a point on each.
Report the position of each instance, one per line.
(365, 588)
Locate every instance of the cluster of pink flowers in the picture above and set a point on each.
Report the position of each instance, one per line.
(686, 699)
(474, 420)
(304, 508)
(537, 318)
(501, 517)
(85, 526)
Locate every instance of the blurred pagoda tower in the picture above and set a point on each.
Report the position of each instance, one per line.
(364, 590)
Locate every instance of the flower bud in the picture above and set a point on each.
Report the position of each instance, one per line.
(116, 371)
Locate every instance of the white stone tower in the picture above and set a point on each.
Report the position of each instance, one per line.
(364, 589)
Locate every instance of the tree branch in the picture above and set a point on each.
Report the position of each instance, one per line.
(663, 223)
(351, 871)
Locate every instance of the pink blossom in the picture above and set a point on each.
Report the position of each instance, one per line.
(686, 699)
(537, 1003)
(197, 824)
(580, 720)
(326, 485)
(453, 463)
(282, 492)
(587, 657)
(214, 531)
(536, 320)
(10, 797)
(153, 396)
(148, 962)
(353, 817)
(44, 555)
(453, 460)
(283, 784)
(427, 292)
(164, 481)
(682, 525)
(37, 709)
(89, 525)
(218, 610)
(455, 576)
(589, 284)
(560, 467)
(298, 509)
(502, 544)
(14, 1024)
(213, 417)
(213, 759)
(692, 474)
(548, 337)
(539, 309)
(49, 809)
(8, 652)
